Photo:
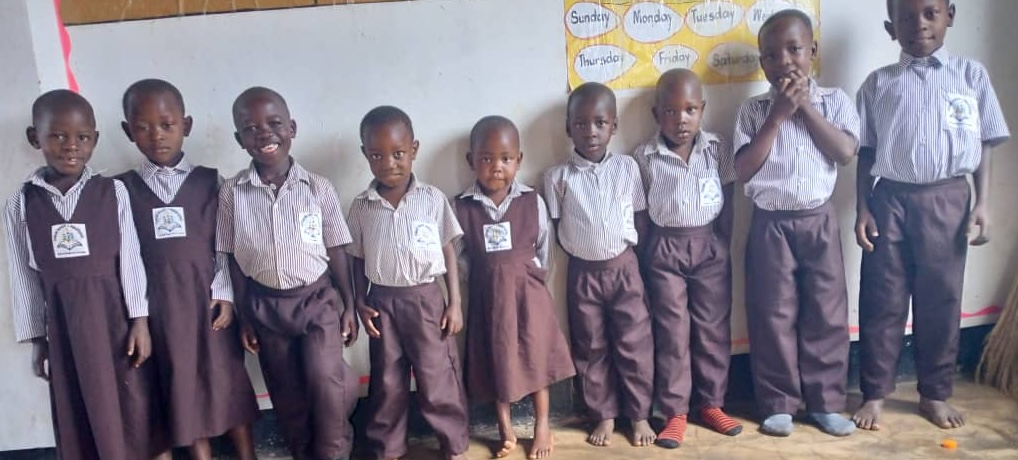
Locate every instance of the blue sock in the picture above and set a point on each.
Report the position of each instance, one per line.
(777, 425)
(833, 423)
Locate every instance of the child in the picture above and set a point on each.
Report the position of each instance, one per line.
(688, 175)
(203, 383)
(789, 143)
(596, 202)
(514, 345)
(78, 290)
(403, 234)
(928, 121)
(283, 229)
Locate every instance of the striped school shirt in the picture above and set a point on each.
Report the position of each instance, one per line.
(681, 194)
(402, 246)
(165, 182)
(27, 299)
(796, 175)
(928, 118)
(542, 257)
(279, 240)
(595, 204)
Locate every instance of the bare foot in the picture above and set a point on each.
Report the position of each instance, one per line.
(643, 434)
(543, 443)
(602, 433)
(868, 415)
(940, 413)
(508, 445)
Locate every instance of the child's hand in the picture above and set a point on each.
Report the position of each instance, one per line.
(139, 342)
(367, 313)
(452, 320)
(248, 338)
(225, 316)
(865, 228)
(980, 217)
(786, 103)
(40, 358)
(348, 323)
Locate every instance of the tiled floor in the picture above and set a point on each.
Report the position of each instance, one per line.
(991, 433)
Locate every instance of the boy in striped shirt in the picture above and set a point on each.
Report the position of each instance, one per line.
(928, 121)
(689, 177)
(403, 241)
(789, 143)
(283, 229)
(597, 205)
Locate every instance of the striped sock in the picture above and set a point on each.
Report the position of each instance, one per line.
(673, 433)
(716, 420)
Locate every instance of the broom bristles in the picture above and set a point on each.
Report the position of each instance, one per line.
(998, 367)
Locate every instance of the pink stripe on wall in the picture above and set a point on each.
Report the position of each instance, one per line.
(65, 43)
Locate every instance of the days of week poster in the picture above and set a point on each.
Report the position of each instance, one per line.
(629, 43)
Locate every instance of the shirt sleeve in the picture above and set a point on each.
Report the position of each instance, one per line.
(132, 270)
(222, 282)
(991, 117)
(224, 219)
(864, 102)
(551, 194)
(745, 124)
(843, 114)
(353, 221)
(450, 229)
(27, 301)
(462, 260)
(643, 162)
(334, 229)
(543, 248)
(639, 195)
(726, 161)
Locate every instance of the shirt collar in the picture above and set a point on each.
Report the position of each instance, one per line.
(149, 169)
(937, 59)
(372, 191)
(515, 190)
(38, 178)
(815, 92)
(579, 162)
(700, 144)
(296, 173)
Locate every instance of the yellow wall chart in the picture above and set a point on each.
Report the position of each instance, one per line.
(629, 43)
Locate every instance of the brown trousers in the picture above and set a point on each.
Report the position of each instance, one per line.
(313, 390)
(920, 253)
(689, 282)
(611, 334)
(410, 322)
(797, 310)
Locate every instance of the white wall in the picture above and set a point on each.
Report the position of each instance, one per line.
(447, 63)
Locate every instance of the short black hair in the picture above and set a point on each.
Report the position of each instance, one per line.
(256, 92)
(790, 13)
(60, 100)
(384, 115)
(891, 3)
(150, 86)
(591, 90)
(673, 76)
(488, 124)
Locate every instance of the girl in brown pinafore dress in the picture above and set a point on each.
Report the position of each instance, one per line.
(514, 344)
(101, 405)
(203, 384)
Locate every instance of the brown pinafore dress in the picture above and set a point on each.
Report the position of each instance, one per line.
(514, 344)
(203, 385)
(101, 404)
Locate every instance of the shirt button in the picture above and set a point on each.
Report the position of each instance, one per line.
(685, 201)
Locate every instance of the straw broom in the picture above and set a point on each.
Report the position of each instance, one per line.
(998, 367)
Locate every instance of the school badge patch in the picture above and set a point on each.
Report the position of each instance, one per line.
(962, 112)
(710, 192)
(69, 240)
(310, 227)
(498, 237)
(169, 222)
(425, 236)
